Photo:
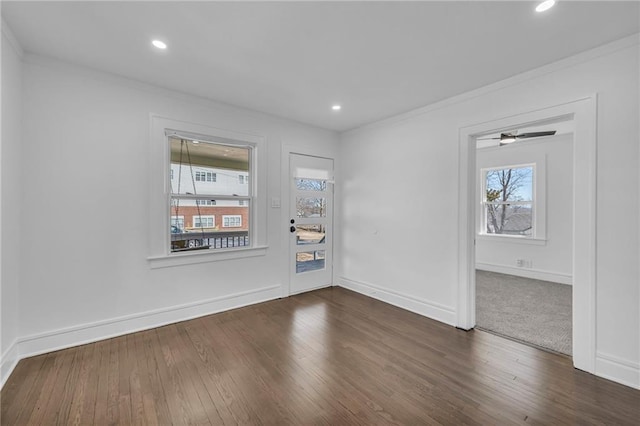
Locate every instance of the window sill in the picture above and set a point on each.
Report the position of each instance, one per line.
(512, 239)
(180, 259)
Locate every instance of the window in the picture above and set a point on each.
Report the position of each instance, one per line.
(508, 201)
(205, 176)
(203, 221)
(241, 178)
(178, 221)
(231, 221)
(246, 154)
(194, 161)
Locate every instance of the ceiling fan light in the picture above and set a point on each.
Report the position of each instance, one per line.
(159, 44)
(545, 5)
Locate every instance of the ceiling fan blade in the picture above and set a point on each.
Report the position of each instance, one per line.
(535, 134)
(510, 137)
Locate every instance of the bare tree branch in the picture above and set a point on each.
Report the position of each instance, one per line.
(503, 185)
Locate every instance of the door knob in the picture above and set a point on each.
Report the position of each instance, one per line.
(293, 221)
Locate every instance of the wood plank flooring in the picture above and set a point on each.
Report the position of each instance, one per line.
(329, 357)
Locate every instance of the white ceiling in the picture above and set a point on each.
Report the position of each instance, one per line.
(296, 59)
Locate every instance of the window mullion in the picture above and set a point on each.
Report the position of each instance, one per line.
(509, 203)
(210, 197)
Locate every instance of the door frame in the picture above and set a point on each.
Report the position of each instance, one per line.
(583, 112)
(285, 184)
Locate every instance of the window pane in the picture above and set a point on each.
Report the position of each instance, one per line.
(231, 221)
(309, 261)
(311, 185)
(509, 219)
(189, 212)
(177, 222)
(204, 221)
(311, 207)
(514, 184)
(208, 168)
(310, 234)
(207, 224)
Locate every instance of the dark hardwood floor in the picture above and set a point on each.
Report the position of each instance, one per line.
(329, 357)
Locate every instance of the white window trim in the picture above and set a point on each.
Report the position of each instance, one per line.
(234, 216)
(534, 206)
(199, 217)
(539, 197)
(519, 239)
(159, 193)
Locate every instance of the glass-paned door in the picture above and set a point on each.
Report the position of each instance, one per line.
(311, 222)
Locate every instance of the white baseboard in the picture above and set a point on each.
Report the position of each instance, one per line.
(617, 369)
(535, 274)
(607, 366)
(92, 332)
(8, 361)
(436, 311)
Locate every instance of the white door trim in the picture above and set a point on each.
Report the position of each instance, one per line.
(285, 198)
(584, 114)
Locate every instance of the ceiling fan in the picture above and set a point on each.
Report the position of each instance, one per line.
(507, 138)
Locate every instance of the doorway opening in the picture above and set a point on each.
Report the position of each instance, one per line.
(523, 252)
(582, 114)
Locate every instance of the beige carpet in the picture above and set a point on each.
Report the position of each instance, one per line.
(532, 311)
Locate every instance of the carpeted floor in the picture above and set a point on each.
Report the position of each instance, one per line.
(532, 311)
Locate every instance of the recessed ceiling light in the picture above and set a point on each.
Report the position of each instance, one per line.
(545, 5)
(159, 44)
(336, 107)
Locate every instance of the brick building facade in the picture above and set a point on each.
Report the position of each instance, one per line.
(225, 218)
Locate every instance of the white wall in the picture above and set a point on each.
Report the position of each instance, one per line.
(551, 256)
(85, 210)
(10, 190)
(413, 161)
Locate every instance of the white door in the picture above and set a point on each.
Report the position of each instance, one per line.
(310, 222)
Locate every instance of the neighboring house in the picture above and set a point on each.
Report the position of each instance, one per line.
(518, 223)
(208, 214)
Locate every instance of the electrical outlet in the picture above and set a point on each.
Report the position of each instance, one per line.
(524, 263)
